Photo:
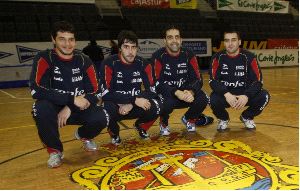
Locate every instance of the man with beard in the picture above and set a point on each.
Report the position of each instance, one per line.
(179, 83)
(128, 89)
(65, 83)
(236, 81)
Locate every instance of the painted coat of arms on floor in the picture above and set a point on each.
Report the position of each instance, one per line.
(176, 163)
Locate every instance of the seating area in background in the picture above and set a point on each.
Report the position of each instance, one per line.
(212, 3)
(261, 25)
(295, 4)
(149, 23)
(31, 21)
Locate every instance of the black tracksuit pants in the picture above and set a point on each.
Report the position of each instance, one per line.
(256, 105)
(195, 108)
(93, 120)
(145, 118)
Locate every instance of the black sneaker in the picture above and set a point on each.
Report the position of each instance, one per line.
(204, 120)
(116, 140)
(143, 134)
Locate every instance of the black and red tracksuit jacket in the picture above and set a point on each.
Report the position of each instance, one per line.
(58, 80)
(173, 73)
(121, 83)
(239, 75)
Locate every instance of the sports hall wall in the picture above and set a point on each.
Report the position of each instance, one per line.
(24, 30)
(16, 58)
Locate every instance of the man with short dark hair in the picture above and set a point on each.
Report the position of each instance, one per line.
(128, 88)
(179, 82)
(64, 83)
(236, 81)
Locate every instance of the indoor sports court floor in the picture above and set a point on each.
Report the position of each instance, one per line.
(239, 159)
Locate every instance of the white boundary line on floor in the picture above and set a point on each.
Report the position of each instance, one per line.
(10, 95)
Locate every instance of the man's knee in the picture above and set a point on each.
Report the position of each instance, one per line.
(111, 108)
(263, 99)
(202, 98)
(156, 106)
(266, 95)
(168, 106)
(214, 100)
(43, 109)
(99, 119)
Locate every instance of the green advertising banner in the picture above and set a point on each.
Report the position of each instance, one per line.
(271, 6)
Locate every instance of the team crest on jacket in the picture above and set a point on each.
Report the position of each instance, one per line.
(174, 163)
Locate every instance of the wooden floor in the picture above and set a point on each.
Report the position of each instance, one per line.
(23, 158)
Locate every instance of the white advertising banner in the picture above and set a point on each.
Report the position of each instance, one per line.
(272, 6)
(277, 57)
(16, 58)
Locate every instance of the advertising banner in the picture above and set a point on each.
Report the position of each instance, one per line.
(277, 57)
(272, 6)
(146, 3)
(16, 58)
(247, 44)
(183, 4)
(201, 47)
(283, 43)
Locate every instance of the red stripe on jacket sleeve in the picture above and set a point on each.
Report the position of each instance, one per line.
(255, 68)
(195, 66)
(108, 76)
(148, 71)
(92, 76)
(157, 68)
(215, 66)
(42, 66)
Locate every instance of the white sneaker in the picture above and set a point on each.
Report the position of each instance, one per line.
(222, 125)
(55, 159)
(88, 144)
(249, 124)
(191, 127)
(164, 130)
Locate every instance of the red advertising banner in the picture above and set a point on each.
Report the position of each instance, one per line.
(146, 3)
(283, 44)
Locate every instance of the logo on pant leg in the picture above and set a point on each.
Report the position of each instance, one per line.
(176, 163)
